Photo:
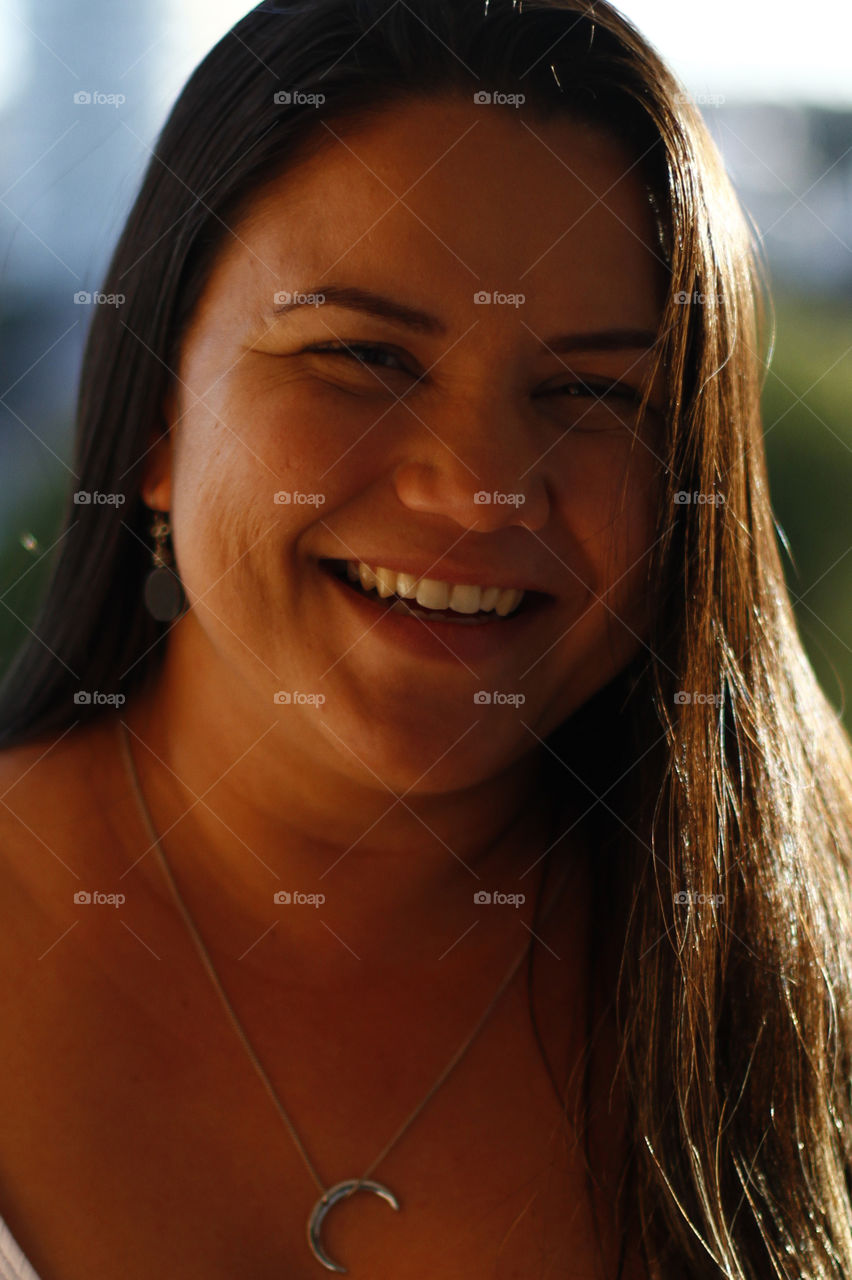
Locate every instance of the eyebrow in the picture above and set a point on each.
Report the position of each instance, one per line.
(352, 298)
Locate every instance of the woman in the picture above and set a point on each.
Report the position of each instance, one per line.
(425, 618)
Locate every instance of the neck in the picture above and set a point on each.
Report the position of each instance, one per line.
(246, 806)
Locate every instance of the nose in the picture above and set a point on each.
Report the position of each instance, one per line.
(479, 467)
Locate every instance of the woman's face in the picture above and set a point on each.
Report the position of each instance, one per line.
(385, 458)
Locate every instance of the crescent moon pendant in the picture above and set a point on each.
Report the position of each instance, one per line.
(342, 1191)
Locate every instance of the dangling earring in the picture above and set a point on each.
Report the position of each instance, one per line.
(164, 594)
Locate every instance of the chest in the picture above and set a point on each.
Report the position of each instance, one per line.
(166, 1152)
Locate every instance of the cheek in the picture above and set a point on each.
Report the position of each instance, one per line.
(609, 502)
(253, 436)
(223, 508)
(636, 522)
(221, 536)
(254, 465)
(301, 434)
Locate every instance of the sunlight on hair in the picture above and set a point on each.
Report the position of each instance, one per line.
(794, 60)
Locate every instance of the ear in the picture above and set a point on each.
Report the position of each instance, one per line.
(156, 487)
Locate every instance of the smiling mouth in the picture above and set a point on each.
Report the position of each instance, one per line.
(532, 602)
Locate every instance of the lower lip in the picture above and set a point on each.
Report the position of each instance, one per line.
(443, 640)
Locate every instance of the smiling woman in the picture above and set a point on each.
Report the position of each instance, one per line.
(423, 618)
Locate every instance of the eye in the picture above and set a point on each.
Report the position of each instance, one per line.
(596, 391)
(359, 352)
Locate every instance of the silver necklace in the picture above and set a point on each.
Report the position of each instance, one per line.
(341, 1190)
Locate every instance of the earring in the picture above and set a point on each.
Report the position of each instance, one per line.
(164, 594)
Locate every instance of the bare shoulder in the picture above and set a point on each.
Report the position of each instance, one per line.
(61, 857)
(56, 759)
(54, 811)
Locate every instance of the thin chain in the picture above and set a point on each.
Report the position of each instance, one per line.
(208, 964)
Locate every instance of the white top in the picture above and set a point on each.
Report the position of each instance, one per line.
(13, 1264)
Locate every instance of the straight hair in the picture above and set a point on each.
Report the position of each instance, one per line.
(721, 808)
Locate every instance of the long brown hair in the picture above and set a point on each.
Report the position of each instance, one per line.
(719, 777)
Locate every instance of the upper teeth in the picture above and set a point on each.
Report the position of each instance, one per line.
(433, 594)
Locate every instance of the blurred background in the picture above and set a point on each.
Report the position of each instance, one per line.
(775, 90)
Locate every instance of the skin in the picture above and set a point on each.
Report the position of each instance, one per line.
(250, 796)
(398, 449)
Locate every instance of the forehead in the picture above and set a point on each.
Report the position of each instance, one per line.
(442, 198)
